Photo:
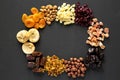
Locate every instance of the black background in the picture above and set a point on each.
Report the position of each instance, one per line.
(64, 41)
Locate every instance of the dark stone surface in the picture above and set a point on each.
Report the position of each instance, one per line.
(64, 41)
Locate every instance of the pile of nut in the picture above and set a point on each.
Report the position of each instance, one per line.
(54, 66)
(50, 12)
(66, 14)
(94, 58)
(36, 61)
(97, 34)
(75, 67)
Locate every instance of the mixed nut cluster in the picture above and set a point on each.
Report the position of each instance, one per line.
(66, 14)
(75, 67)
(97, 34)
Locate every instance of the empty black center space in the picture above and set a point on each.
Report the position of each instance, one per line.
(63, 41)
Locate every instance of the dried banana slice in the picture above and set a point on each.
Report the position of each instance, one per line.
(22, 36)
(34, 35)
(28, 48)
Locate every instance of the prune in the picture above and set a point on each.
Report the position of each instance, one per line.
(30, 57)
(94, 58)
(42, 62)
(31, 65)
(37, 54)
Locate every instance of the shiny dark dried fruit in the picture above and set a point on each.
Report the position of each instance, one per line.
(35, 53)
(42, 62)
(94, 58)
(30, 57)
(38, 70)
(31, 65)
(83, 14)
(37, 62)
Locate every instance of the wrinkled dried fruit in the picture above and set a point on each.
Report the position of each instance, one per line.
(42, 23)
(29, 23)
(34, 10)
(83, 14)
(54, 66)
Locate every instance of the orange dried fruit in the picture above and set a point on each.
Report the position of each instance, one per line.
(29, 22)
(24, 17)
(34, 10)
(42, 23)
(36, 26)
(36, 17)
(30, 16)
(41, 15)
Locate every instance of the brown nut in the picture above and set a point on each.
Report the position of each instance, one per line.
(48, 22)
(81, 59)
(73, 76)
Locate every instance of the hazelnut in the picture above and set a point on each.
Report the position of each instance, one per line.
(83, 69)
(82, 75)
(69, 74)
(73, 76)
(81, 59)
(75, 59)
(71, 59)
(78, 75)
(78, 60)
(78, 71)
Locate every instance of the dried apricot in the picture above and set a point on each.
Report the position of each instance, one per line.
(30, 16)
(29, 23)
(36, 17)
(42, 23)
(34, 10)
(41, 15)
(36, 26)
(24, 17)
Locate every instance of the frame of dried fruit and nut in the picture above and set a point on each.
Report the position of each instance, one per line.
(66, 14)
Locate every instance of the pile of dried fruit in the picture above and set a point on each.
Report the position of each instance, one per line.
(75, 67)
(66, 14)
(36, 61)
(32, 35)
(54, 66)
(94, 58)
(83, 14)
(36, 19)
